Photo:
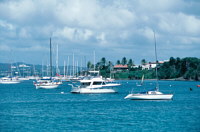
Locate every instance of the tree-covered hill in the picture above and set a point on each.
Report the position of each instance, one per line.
(187, 68)
(176, 68)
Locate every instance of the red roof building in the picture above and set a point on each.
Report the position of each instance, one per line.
(121, 66)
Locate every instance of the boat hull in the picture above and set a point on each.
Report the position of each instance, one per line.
(92, 91)
(46, 86)
(149, 97)
(9, 82)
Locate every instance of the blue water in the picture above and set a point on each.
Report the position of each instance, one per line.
(24, 108)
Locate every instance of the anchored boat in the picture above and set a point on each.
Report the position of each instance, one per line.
(153, 94)
(94, 85)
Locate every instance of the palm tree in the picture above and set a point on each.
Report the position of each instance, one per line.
(124, 61)
(89, 65)
(143, 61)
(118, 62)
(130, 62)
(103, 61)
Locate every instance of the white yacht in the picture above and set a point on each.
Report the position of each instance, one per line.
(149, 95)
(154, 94)
(94, 85)
(46, 83)
(9, 80)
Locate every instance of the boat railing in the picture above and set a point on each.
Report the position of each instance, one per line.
(73, 86)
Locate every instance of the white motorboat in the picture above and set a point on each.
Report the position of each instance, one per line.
(151, 95)
(9, 80)
(94, 85)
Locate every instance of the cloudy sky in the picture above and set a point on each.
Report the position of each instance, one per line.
(113, 28)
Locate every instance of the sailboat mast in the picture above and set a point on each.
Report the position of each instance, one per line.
(50, 59)
(157, 86)
(73, 64)
(68, 66)
(64, 69)
(94, 60)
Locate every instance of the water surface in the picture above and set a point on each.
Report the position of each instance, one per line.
(24, 108)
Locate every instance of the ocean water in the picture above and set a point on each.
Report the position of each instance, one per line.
(24, 108)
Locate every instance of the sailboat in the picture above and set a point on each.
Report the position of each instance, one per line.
(152, 94)
(47, 83)
(9, 79)
(142, 81)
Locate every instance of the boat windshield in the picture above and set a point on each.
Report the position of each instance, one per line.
(97, 83)
(85, 84)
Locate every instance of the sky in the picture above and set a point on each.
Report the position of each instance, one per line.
(112, 28)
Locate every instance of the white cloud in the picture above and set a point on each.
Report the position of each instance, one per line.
(6, 25)
(189, 40)
(116, 24)
(147, 33)
(23, 33)
(73, 34)
(179, 23)
(19, 10)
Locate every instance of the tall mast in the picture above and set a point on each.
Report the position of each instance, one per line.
(157, 86)
(73, 64)
(42, 68)
(81, 68)
(11, 70)
(50, 59)
(64, 69)
(77, 68)
(94, 60)
(57, 68)
(67, 66)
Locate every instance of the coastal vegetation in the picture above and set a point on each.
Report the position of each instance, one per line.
(176, 68)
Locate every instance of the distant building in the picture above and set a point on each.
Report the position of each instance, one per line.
(152, 65)
(23, 65)
(119, 68)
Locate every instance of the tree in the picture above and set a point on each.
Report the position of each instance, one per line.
(172, 61)
(103, 61)
(89, 65)
(124, 61)
(143, 61)
(118, 62)
(130, 62)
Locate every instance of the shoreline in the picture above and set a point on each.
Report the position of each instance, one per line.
(175, 79)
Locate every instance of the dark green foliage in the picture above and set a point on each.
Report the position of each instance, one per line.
(143, 61)
(89, 65)
(124, 61)
(118, 62)
(186, 68)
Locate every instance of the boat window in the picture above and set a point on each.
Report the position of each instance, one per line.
(85, 84)
(97, 83)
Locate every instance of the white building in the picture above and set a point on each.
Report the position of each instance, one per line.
(151, 65)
